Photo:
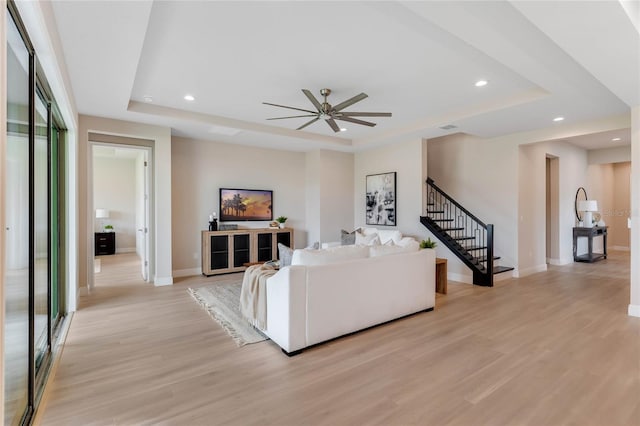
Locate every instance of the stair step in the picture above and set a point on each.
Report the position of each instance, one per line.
(431, 204)
(484, 258)
(451, 229)
(440, 220)
(471, 248)
(501, 269)
(463, 238)
(435, 211)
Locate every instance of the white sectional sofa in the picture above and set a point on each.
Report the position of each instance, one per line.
(328, 293)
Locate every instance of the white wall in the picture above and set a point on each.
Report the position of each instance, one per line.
(406, 159)
(610, 155)
(531, 212)
(114, 189)
(329, 194)
(482, 175)
(201, 168)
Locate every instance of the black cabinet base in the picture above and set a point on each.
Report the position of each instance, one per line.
(105, 243)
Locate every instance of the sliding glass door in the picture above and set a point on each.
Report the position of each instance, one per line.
(16, 250)
(33, 278)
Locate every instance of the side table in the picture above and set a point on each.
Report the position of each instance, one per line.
(441, 275)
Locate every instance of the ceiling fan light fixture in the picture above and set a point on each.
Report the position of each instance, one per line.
(330, 113)
(189, 98)
(481, 83)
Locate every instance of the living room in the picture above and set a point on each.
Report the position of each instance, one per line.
(492, 161)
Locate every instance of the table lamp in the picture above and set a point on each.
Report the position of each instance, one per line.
(588, 207)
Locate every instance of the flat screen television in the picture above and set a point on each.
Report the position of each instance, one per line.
(245, 204)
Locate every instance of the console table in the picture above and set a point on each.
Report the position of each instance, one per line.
(589, 233)
(233, 250)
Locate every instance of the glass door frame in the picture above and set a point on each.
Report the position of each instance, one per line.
(55, 183)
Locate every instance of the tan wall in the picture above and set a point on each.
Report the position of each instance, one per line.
(201, 168)
(617, 218)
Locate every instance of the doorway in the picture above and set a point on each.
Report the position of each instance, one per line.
(121, 194)
(552, 205)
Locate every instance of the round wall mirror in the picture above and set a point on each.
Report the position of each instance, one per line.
(581, 195)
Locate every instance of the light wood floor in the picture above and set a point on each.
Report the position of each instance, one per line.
(553, 348)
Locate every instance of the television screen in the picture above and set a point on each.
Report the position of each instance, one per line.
(245, 204)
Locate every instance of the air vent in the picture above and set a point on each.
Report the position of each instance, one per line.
(449, 127)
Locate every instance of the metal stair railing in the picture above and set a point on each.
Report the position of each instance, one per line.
(460, 230)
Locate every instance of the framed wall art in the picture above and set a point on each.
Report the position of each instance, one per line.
(381, 199)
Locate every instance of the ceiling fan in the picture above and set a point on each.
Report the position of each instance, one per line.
(330, 113)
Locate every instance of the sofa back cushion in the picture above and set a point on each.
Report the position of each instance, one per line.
(388, 249)
(329, 255)
(384, 234)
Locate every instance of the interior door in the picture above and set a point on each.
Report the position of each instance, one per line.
(144, 230)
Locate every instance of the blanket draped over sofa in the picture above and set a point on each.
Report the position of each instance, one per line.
(253, 296)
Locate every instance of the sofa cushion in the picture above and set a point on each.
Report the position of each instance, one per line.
(388, 249)
(384, 234)
(367, 240)
(284, 254)
(329, 255)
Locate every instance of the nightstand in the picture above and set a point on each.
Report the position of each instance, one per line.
(105, 243)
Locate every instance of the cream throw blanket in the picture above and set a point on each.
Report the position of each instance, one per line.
(253, 296)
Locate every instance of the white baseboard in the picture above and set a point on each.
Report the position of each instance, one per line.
(161, 281)
(519, 273)
(461, 278)
(620, 248)
(559, 262)
(126, 250)
(187, 272)
(634, 310)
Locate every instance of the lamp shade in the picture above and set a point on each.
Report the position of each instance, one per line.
(588, 206)
(102, 213)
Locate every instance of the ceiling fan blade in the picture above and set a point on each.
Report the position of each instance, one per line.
(293, 116)
(349, 102)
(331, 122)
(297, 109)
(307, 123)
(365, 114)
(355, 120)
(313, 99)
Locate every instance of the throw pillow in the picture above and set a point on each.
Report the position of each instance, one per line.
(314, 246)
(348, 238)
(367, 240)
(285, 254)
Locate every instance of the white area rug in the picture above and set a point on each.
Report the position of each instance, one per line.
(222, 301)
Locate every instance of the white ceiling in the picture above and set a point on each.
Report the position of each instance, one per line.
(418, 60)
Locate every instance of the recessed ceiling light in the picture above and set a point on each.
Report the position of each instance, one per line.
(481, 83)
(558, 119)
(342, 129)
(615, 139)
(148, 98)
(189, 98)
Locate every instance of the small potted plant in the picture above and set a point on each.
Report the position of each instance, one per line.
(424, 244)
(108, 228)
(281, 220)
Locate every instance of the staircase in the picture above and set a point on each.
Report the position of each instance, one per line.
(463, 233)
